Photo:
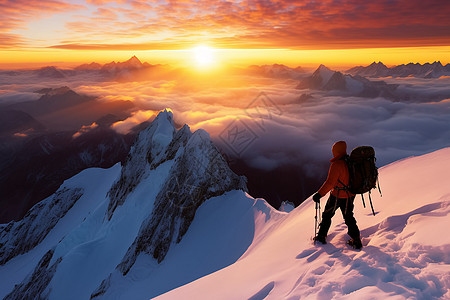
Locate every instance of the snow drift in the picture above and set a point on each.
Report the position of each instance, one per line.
(174, 222)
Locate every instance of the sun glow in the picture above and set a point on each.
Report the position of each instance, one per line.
(204, 56)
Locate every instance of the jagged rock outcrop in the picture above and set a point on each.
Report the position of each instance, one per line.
(199, 173)
(19, 237)
(150, 145)
(35, 286)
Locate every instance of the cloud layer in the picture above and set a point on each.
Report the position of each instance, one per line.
(265, 122)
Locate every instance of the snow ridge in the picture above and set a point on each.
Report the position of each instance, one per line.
(148, 147)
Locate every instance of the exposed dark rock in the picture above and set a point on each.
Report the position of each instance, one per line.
(134, 168)
(198, 174)
(35, 286)
(19, 237)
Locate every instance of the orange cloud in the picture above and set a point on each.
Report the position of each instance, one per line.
(84, 129)
(327, 24)
(17, 13)
(136, 118)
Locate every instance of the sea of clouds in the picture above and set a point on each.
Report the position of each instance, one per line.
(263, 121)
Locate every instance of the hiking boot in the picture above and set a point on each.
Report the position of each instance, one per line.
(321, 239)
(355, 243)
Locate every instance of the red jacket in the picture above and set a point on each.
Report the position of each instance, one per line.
(338, 172)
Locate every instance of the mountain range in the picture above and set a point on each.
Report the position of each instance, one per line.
(427, 70)
(131, 69)
(174, 222)
(324, 79)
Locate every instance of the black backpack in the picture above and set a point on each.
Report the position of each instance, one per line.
(363, 172)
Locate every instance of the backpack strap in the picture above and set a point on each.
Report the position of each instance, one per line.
(346, 189)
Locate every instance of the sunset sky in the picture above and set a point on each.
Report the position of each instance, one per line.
(292, 32)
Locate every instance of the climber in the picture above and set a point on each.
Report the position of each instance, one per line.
(340, 197)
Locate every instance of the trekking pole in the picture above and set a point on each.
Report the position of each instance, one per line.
(315, 224)
(370, 200)
(320, 217)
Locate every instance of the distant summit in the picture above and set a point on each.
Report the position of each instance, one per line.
(50, 72)
(318, 80)
(276, 71)
(324, 79)
(375, 69)
(427, 70)
(132, 64)
(131, 69)
(52, 100)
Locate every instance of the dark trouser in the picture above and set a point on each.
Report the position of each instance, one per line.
(346, 206)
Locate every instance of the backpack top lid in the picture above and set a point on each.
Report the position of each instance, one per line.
(362, 152)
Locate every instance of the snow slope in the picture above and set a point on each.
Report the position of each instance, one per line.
(406, 252)
(94, 191)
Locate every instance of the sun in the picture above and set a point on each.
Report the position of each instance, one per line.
(203, 56)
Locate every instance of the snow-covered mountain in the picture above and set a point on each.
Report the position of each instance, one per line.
(324, 79)
(101, 222)
(174, 222)
(427, 70)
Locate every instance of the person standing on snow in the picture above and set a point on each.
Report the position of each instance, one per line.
(338, 178)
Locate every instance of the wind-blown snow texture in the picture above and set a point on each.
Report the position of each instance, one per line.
(175, 223)
(405, 255)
